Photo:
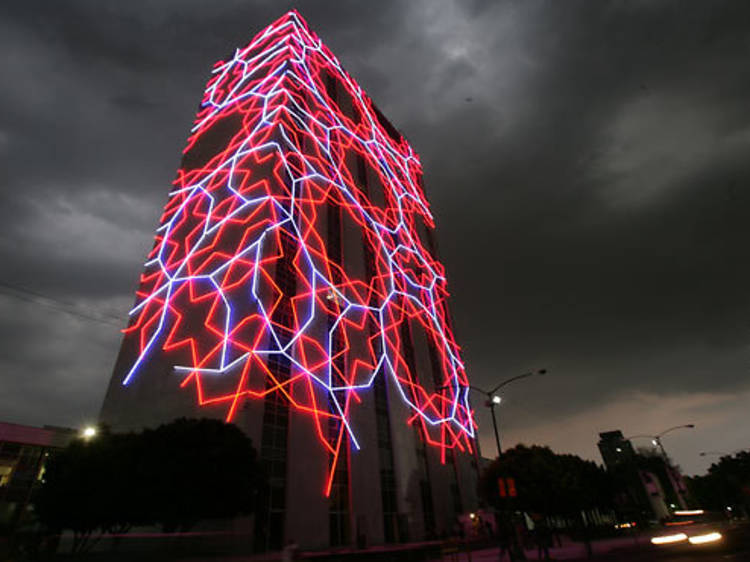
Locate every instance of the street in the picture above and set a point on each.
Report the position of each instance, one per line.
(706, 556)
(632, 555)
(622, 549)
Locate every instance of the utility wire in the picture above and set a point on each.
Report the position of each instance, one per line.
(33, 297)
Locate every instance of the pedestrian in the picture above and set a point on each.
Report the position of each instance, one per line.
(504, 534)
(543, 536)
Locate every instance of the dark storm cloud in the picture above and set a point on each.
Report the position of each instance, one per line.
(586, 163)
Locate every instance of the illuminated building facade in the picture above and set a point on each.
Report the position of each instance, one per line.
(294, 289)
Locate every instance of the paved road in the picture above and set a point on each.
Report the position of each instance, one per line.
(644, 555)
(695, 556)
(736, 549)
(615, 549)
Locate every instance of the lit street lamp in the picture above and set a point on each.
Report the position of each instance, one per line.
(89, 432)
(494, 399)
(656, 439)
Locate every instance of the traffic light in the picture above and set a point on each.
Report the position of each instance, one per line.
(506, 487)
(511, 484)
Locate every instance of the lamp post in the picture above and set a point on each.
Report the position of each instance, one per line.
(656, 439)
(89, 432)
(494, 399)
(674, 479)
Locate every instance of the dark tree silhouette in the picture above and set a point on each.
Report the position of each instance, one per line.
(548, 483)
(727, 484)
(199, 469)
(172, 476)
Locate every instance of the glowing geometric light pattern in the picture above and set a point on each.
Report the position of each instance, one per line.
(275, 152)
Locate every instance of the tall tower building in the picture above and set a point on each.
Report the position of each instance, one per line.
(294, 289)
(616, 451)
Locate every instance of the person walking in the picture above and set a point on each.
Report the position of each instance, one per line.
(543, 537)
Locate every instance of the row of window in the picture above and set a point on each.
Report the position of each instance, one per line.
(271, 513)
(428, 508)
(388, 491)
(338, 506)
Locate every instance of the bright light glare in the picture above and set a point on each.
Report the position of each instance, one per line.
(667, 539)
(654, 442)
(703, 539)
(89, 432)
(689, 512)
(496, 399)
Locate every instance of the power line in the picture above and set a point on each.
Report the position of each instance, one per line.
(53, 303)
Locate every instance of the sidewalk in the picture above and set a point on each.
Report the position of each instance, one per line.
(568, 551)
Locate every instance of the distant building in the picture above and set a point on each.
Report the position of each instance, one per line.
(615, 449)
(294, 289)
(24, 450)
(655, 493)
(641, 494)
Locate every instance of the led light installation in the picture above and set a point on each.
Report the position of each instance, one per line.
(283, 137)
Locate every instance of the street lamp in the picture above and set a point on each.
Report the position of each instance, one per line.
(494, 399)
(89, 432)
(656, 439)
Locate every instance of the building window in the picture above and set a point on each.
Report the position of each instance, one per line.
(271, 513)
(455, 489)
(338, 506)
(385, 457)
(425, 486)
(331, 87)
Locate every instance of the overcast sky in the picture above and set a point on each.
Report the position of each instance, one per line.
(587, 164)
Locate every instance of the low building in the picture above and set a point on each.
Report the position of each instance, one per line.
(24, 451)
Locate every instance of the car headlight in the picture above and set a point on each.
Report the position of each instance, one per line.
(667, 539)
(707, 537)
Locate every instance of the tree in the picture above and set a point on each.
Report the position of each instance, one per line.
(199, 469)
(548, 483)
(78, 491)
(173, 476)
(727, 484)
